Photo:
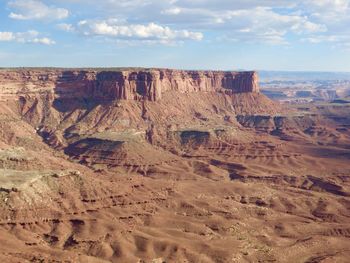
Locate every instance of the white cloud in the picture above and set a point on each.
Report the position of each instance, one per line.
(302, 25)
(331, 12)
(319, 39)
(262, 24)
(43, 40)
(151, 31)
(264, 21)
(35, 9)
(6, 36)
(172, 11)
(328, 5)
(66, 27)
(30, 36)
(336, 41)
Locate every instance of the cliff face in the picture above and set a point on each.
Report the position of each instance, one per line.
(123, 84)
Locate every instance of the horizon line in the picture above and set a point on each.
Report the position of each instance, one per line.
(170, 68)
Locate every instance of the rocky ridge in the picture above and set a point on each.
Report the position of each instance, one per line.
(130, 84)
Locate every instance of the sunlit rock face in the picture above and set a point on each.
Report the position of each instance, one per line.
(127, 84)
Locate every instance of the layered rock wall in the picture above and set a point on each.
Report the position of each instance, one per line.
(122, 84)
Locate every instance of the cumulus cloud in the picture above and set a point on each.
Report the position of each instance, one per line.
(262, 24)
(319, 39)
(114, 28)
(264, 21)
(6, 36)
(43, 40)
(171, 11)
(66, 27)
(337, 41)
(325, 6)
(35, 9)
(30, 36)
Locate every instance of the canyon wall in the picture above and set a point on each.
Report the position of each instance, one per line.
(129, 84)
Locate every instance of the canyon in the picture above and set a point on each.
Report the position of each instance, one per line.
(161, 165)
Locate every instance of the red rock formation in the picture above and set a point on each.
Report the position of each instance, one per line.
(123, 84)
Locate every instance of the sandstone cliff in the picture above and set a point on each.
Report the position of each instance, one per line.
(130, 84)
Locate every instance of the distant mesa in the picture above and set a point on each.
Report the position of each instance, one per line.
(124, 84)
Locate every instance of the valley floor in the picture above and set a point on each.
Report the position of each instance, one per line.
(262, 190)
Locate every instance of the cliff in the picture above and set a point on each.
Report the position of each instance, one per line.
(130, 84)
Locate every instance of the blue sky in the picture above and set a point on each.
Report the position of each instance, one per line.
(189, 34)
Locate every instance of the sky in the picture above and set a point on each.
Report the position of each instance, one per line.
(297, 35)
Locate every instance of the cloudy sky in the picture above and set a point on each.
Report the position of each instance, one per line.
(190, 34)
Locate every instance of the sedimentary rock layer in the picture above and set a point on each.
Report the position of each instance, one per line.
(130, 84)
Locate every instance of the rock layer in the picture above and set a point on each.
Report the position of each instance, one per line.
(128, 84)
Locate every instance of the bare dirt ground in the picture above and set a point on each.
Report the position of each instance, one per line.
(182, 180)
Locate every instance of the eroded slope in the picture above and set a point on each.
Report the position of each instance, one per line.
(193, 177)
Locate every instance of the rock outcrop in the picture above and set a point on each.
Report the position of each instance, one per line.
(129, 84)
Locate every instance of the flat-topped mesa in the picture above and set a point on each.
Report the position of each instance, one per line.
(123, 84)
